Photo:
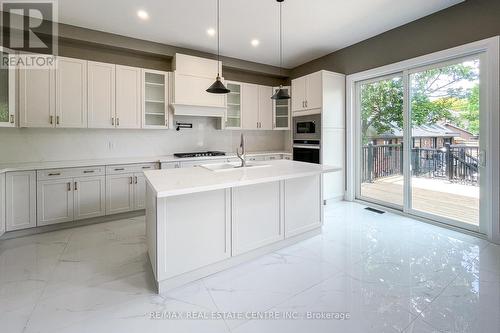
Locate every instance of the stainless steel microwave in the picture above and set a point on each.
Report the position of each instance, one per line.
(307, 127)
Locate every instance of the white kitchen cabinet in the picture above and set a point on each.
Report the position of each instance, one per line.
(125, 187)
(256, 106)
(71, 93)
(170, 165)
(54, 201)
(119, 193)
(307, 92)
(7, 94)
(298, 93)
(20, 200)
(302, 205)
(37, 95)
(256, 216)
(70, 194)
(139, 191)
(89, 197)
(128, 97)
(101, 95)
(155, 99)
(234, 112)
(265, 108)
(250, 105)
(281, 111)
(2, 204)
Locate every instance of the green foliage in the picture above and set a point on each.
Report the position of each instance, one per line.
(4, 112)
(434, 93)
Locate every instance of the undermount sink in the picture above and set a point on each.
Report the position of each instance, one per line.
(230, 166)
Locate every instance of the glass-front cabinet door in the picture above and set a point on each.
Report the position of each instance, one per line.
(281, 111)
(155, 99)
(7, 91)
(233, 118)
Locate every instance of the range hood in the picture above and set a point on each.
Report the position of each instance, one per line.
(190, 79)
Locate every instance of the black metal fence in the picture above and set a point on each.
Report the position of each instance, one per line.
(456, 163)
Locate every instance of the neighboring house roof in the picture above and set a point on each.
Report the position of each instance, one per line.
(423, 131)
(458, 128)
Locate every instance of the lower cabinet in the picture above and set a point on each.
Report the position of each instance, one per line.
(125, 192)
(119, 193)
(54, 201)
(89, 197)
(256, 216)
(65, 200)
(2, 204)
(20, 200)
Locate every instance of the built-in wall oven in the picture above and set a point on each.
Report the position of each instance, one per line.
(307, 138)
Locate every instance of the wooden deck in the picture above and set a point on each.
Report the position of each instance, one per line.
(434, 196)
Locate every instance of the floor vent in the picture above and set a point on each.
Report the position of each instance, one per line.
(375, 210)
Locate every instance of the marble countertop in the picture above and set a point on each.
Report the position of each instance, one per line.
(43, 165)
(172, 182)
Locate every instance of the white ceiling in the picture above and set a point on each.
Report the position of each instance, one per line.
(312, 28)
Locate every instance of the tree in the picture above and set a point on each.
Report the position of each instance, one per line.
(433, 93)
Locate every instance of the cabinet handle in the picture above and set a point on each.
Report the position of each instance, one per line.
(57, 120)
(119, 169)
(88, 171)
(135, 179)
(146, 167)
(51, 119)
(55, 174)
(113, 121)
(306, 104)
(130, 181)
(117, 121)
(69, 187)
(76, 186)
(11, 118)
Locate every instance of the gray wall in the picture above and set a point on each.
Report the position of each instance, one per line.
(463, 23)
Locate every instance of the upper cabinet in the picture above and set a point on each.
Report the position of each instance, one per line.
(101, 95)
(128, 97)
(37, 96)
(307, 92)
(281, 111)
(233, 117)
(7, 94)
(257, 108)
(71, 93)
(155, 102)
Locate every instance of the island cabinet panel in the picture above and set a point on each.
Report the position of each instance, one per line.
(2, 204)
(196, 232)
(302, 205)
(256, 216)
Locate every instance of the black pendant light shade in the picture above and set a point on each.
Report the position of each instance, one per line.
(218, 87)
(280, 94)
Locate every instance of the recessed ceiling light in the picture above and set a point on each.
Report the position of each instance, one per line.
(255, 42)
(143, 14)
(211, 32)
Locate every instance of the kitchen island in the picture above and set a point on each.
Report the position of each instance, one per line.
(208, 218)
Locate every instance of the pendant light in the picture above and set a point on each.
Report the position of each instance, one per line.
(281, 93)
(218, 87)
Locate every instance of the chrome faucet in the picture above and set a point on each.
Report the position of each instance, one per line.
(242, 155)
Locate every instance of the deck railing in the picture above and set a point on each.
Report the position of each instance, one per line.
(457, 163)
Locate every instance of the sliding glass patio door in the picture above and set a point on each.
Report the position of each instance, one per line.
(420, 141)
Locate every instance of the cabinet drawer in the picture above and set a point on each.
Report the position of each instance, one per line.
(128, 168)
(170, 165)
(69, 173)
